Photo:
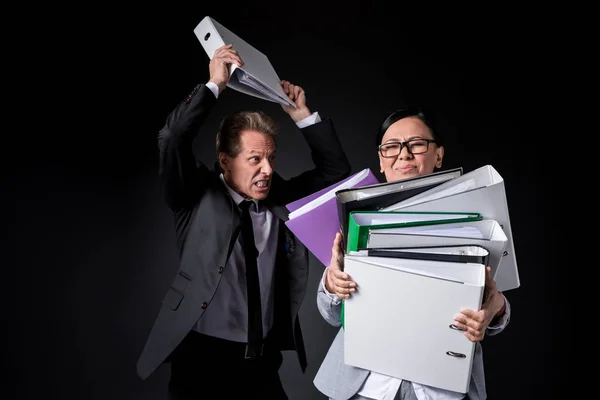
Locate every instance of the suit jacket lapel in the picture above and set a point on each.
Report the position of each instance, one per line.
(280, 211)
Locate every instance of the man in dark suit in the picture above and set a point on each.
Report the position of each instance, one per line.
(233, 305)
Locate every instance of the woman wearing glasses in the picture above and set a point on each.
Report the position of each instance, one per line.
(408, 145)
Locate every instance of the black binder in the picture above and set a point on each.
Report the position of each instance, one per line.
(464, 254)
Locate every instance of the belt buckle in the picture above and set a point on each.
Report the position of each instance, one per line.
(248, 357)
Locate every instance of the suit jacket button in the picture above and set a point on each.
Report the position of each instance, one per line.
(204, 305)
(220, 270)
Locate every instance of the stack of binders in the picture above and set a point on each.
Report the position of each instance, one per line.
(418, 250)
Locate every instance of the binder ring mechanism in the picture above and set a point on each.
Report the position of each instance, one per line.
(452, 353)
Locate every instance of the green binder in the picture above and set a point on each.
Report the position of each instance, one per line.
(362, 222)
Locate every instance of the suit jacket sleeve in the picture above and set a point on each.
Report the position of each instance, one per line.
(329, 306)
(331, 163)
(182, 177)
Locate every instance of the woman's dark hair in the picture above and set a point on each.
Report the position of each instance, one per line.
(422, 113)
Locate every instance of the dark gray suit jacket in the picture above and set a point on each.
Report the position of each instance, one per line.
(207, 227)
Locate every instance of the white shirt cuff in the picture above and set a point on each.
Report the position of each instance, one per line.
(333, 297)
(213, 88)
(310, 120)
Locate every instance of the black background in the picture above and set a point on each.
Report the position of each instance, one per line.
(93, 241)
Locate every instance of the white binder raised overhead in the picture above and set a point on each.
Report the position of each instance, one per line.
(481, 190)
(256, 77)
(400, 321)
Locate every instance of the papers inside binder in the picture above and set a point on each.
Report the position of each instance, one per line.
(258, 89)
(449, 250)
(382, 218)
(450, 230)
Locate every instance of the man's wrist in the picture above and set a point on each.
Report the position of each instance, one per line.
(299, 115)
(220, 86)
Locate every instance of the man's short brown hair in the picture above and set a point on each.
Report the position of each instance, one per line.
(228, 137)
